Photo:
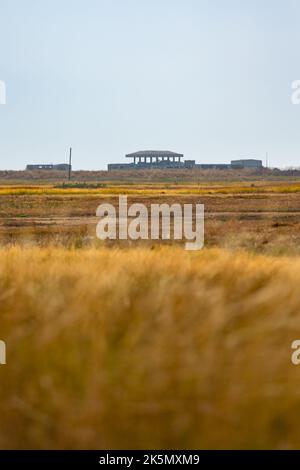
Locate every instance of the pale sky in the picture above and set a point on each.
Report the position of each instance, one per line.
(207, 78)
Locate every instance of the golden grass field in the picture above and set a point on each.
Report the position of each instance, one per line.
(146, 345)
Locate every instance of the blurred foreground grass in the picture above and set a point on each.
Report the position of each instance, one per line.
(144, 348)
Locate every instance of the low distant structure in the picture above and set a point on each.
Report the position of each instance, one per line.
(189, 163)
(246, 163)
(206, 166)
(213, 166)
(164, 159)
(59, 166)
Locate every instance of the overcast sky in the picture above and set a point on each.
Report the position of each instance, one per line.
(207, 78)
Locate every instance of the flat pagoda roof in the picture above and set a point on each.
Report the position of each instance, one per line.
(153, 153)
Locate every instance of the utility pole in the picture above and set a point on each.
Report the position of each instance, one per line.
(70, 163)
(267, 160)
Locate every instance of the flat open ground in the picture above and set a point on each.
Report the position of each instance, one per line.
(263, 216)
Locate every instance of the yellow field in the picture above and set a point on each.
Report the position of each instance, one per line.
(140, 348)
(154, 189)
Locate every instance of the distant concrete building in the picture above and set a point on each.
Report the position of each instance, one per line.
(39, 167)
(213, 166)
(120, 166)
(164, 159)
(246, 163)
(62, 167)
(189, 163)
(150, 159)
(206, 166)
(59, 166)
